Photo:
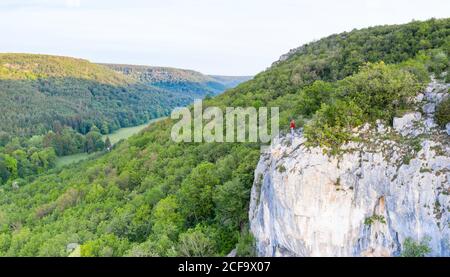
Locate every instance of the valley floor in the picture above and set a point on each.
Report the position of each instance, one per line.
(115, 137)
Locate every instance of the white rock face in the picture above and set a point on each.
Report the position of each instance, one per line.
(429, 108)
(71, 246)
(305, 203)
(416, 123)
(419, 98)
(405, 124)
(365, 202)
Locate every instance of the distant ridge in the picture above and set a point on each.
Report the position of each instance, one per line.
(182, 80)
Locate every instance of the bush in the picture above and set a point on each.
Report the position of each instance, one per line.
(246, 246)
(107, 245)
(311, 97)
(373, 219)
(443, 112)
(417, 68)
(166, 218)
(377, 91)
(331, 125)
(68, 199)
(230, 201)
(380, 90)
(438, 62)
(196, 192)
(194, 243)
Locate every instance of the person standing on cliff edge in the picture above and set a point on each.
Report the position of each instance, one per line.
(292, 126)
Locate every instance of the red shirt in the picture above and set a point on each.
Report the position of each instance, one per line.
(292, 124)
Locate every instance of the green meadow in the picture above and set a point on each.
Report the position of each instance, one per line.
(114, 137)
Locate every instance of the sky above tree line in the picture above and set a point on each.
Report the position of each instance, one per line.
(228, 37)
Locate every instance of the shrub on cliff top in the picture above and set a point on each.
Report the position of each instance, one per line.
(443, 112)
(377, 91)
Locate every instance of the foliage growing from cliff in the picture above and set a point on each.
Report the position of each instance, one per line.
(412, 248)
(374, 218)
(246, 246)
(443, 112)
(281, 168)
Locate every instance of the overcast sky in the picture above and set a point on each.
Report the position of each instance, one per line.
(230, 37)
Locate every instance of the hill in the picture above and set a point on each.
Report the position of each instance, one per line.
(180, 80)
(59, 106)
(37, 90)
(31, 66)
(151, 196)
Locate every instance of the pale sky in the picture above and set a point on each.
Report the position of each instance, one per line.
(228, 37)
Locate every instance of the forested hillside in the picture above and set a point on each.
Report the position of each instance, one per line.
(153, 197)
(180, 80)
(37, 90)
(58, 106)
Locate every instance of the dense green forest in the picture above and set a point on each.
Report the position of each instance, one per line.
(61, 106)
(152, 197)
(180, 80)
(23, 158)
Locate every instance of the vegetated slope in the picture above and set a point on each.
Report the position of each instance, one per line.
(180, 80)
(153, 197)
(59, 106)
(37, 90)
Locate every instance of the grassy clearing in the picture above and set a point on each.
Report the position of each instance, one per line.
(70, 159)
(125, 133)
(115, 137)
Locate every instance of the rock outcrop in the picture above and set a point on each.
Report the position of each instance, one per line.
(366, 201)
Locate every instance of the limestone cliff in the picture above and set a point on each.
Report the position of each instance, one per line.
(366, 201)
